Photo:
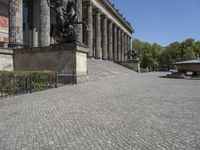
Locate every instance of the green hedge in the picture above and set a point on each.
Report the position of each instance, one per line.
(26, 81)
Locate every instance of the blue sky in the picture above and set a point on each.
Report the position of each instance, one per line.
(162, 21)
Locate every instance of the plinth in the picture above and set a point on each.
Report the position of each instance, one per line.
(69, 60)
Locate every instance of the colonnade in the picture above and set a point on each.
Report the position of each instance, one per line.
(105, 39)
(110, 41)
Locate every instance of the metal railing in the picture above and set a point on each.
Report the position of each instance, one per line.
(12, 84)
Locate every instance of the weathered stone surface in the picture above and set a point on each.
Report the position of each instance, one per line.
(119, 45)
(105, 39)
(15, 8)
(66, 59)
(110, 42)
(79, 27)
(6, 59)
(98, 49)
(126, 47)
(44, 32)
(36, 23)
(122, 54)
(115, 43)
(90, 28)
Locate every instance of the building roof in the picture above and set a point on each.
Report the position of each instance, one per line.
(117, 12)
(197, 61)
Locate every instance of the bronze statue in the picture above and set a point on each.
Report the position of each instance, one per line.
(64, 31)
(132, 55)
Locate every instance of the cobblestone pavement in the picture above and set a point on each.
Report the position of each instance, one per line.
(128, 112)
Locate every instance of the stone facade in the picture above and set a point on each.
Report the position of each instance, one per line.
(6, 59)
(69, 60)
(108, 37)
(111, 32)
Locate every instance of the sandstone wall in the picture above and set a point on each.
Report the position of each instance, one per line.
(6, 59)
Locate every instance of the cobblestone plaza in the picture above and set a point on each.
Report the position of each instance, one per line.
(123, 111)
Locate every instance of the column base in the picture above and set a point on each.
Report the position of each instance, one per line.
(15, 45)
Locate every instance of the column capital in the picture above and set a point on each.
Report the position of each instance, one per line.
(89, 3)
(115, 25)
(104, 16)
(98, 11)
(119, 29)
(110, 21)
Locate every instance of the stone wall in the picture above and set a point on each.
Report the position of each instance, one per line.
(6, 59)
(67, 59)
(131, 65)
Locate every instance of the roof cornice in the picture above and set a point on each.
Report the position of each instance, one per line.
(116, 13)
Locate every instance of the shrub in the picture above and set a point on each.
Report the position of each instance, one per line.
(15, 82)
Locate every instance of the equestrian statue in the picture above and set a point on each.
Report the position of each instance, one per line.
(65, 28)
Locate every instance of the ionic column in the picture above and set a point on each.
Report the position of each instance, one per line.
(119, 45)
(122, 55)
(90, 28)
(110, 42)
(98, 51)
(126, 47)
(129, 42)
(36, 22)
(79, 8)
(44, 32)
(15, 22)
(105, 39)
(115, 43)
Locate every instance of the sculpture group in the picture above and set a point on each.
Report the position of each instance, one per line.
(65, 28)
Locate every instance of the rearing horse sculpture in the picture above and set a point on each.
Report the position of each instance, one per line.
(65, 29)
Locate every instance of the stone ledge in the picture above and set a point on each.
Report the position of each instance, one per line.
(6, 51)
(69, 60)
(58, 47)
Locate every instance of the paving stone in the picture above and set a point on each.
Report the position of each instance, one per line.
(131, 111)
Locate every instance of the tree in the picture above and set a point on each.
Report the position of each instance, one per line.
(197, 48)
(187, 49)
(149, 54)
(155, 56)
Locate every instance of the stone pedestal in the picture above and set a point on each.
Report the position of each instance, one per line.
(69, 60)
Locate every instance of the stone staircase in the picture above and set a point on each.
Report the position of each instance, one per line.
(98, 69)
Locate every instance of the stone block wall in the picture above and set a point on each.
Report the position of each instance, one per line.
(6, 59)
(67, 59)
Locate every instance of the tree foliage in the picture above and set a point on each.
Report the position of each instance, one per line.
(155, 56)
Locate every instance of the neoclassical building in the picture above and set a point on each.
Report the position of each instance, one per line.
(108, 36)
